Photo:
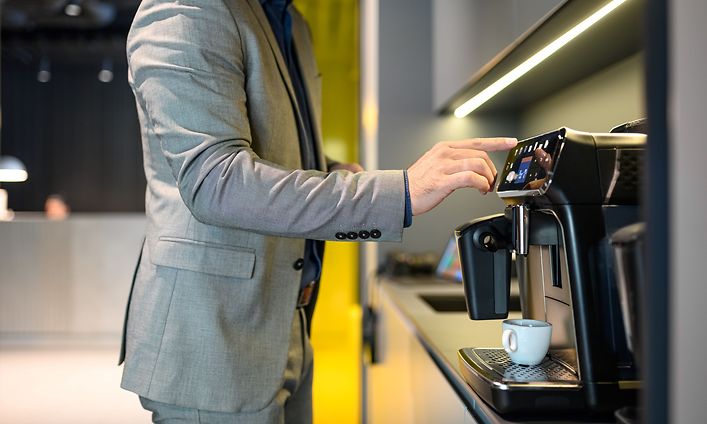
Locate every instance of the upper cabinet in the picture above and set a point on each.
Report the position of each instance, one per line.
(468, 34)
(482, 43)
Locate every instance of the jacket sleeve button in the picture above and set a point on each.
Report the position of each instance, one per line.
(352, 235)
(364, 234)
(299, 264)
(375, 233)
(340, 236)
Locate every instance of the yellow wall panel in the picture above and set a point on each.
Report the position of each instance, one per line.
(336, 329)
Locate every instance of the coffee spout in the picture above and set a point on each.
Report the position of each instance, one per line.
(520, 215)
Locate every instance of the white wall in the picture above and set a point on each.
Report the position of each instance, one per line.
(688, 227)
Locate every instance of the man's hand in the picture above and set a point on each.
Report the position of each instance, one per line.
(451, 165)
(353, 167)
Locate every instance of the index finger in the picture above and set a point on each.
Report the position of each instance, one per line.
(493, 144)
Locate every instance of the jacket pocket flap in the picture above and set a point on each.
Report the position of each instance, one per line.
(208, 258)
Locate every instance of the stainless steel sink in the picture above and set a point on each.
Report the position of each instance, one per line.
(445, 302)
(456, 302)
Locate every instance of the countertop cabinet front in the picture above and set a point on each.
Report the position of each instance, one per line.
(405, 385)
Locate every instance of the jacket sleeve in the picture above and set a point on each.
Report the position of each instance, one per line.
(186, 68)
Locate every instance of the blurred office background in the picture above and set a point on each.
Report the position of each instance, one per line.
(68, 115)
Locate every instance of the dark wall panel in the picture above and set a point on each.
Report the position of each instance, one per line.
(76, 135)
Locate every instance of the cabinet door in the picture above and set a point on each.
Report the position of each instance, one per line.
(434, 400)
(389, 383)
(467, 34)
(406, 386)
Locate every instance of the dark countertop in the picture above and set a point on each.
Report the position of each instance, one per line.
(443, 333)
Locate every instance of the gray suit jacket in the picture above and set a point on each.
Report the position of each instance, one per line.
(214, 296)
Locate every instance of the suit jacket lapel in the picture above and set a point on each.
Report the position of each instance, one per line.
(281, 64)
(302, 47)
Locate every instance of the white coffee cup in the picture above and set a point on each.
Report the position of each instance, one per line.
(526, 340)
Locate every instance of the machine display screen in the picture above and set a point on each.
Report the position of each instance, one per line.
(530, 162)
(523, 169)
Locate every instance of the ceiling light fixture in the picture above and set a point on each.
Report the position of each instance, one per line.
(73, 8)
(106, 73)
(12, 170)
(45, 73)
(486, 94)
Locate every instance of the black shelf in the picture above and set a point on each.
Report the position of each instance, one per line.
(615, 37)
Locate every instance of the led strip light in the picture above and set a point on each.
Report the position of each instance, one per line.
(530, 63)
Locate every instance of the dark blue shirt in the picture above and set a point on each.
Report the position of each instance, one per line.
(281, 24)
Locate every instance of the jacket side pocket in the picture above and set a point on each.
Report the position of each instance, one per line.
(204, 257)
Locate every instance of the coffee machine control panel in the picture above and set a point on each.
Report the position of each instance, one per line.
(529, 166)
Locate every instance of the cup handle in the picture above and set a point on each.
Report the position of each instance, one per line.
(510, 340)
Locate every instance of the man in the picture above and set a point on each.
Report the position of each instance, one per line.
(239, 200)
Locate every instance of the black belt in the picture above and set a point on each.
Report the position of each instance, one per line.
(305, 294)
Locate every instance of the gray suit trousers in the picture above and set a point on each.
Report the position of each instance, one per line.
(291, 405)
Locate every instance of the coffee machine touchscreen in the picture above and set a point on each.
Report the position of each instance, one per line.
(532, 162)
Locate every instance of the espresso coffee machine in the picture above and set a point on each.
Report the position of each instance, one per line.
(565, 192)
